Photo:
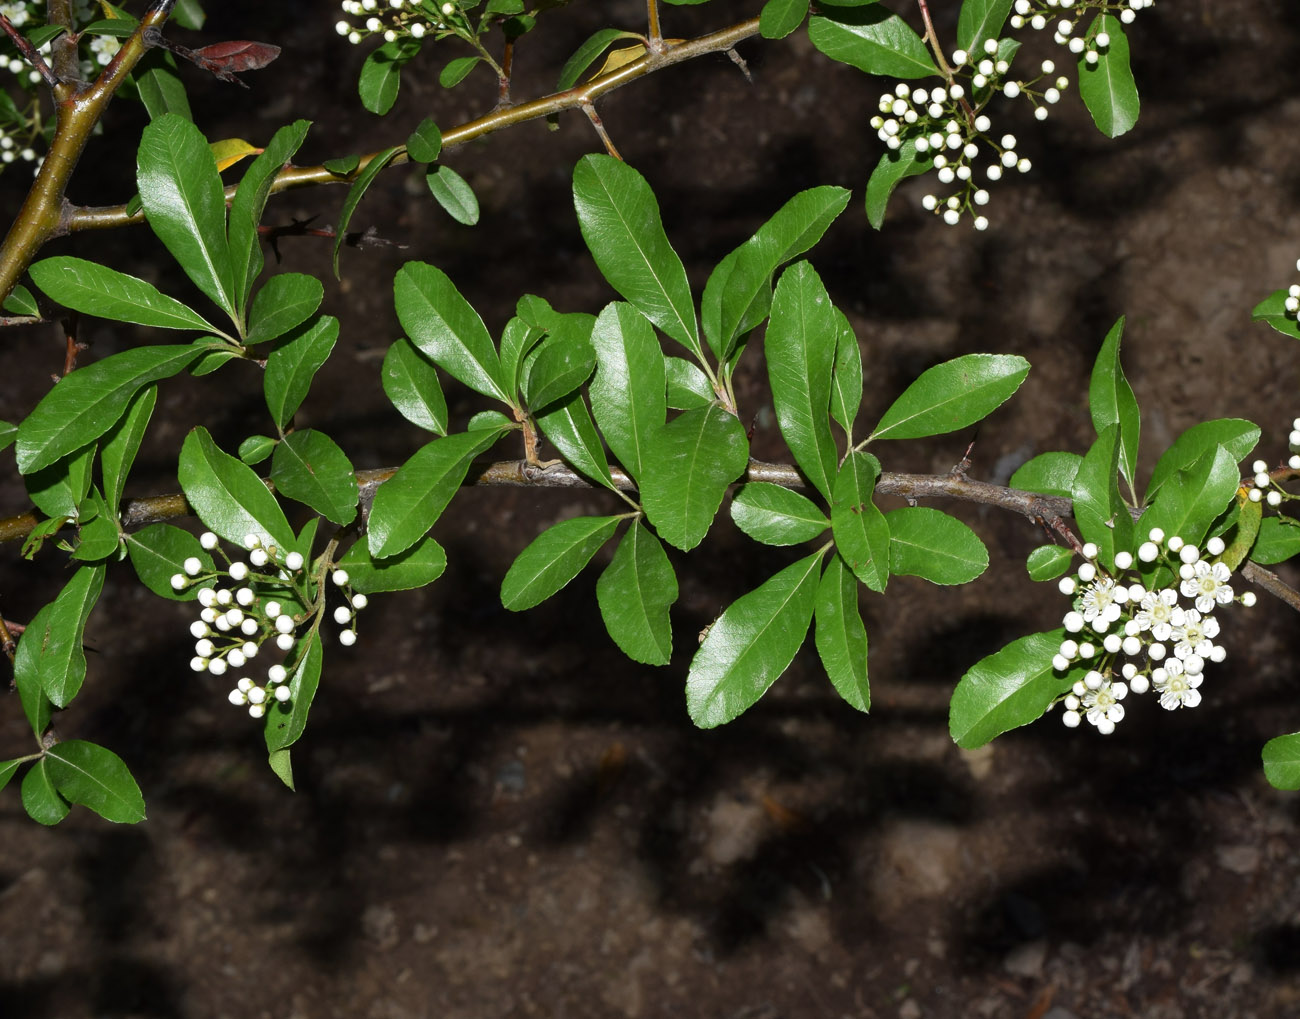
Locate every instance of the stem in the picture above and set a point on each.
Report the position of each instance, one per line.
(654, 37)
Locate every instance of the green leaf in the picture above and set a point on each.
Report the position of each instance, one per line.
(95, 777)
(161, 89)
(381, 74)
(895, 166)
(779, 18)
(8, 769)
(586, 54)
(1107, 87)
(454, 194)
(635, 592)
(775, 515)
(553, 559)
(1278, 541)
(62, 660)
(560, 364)
(953, 395)
(410, 502)
(1273, 311)
(1190, 501)
(980, 20)
(228, 496)
(424, 144)
(926, 542)
(840, 636)
(185, 205)
(310, 467)
(189, 14)
(620, 222)
(292, 365)
(158, 552)
(40, 799)
(98, 290)
(1281, 757)
(567, 423)
(57, 490)
(121, 443)
(88, 402)
(628, 390)
(800, 349)
(419, 566)
(97, 534)
(872, 40)
(1047, 562)
(343, 166)
(21, 302)
(861, 530)
(689, 464)
(411, 382)
(281, 764)
(285, 721)
(285, 302)
(444, 325)
(1009, 688)
(1111, 402)
(1048, 473)
(456, 70)
(688, 388)
(27, 671)
(751, 644)
(359, 187)
(8, 434)
(517, 339)
(1102, 515)
(846, 379)
(256, 448)
(1238, 437)
(739, 291)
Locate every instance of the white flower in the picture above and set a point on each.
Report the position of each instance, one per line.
(1195, 635)
(1103, 706)
(1177, 689)
(1156, 612)
(1208, 586)
(1099, 600)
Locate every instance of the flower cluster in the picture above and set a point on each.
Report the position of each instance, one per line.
(395, 19)
(248, 604)
(1037, 14)
(1293, 296)
(1134, 638)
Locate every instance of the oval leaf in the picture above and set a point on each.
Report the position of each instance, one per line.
(1047, 562)
(453, 193)
(286, 720)
(95, 777)
(872, 39)
(228, 496)
(928, 543)
(635, 592)
(840, 636)
(1009, 688)
(553, 559)
(628, 391)
(953, 395)
(775, 515)
(420, 565)
(285, 302)
(861, 531)
(98, 290)
(309, 466)
(411, 383)
(1281, 757)
(158, 552)
(1235, 435)
(292, 365)
(1107, 87)
(1048, 473)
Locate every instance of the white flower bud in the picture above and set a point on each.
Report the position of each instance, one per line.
(1087, 650)
(1156, 652)
(238, 571)
(1274, 498)
(238, 698)
(1073, 622)
(284, 642)
(257, 710)
(1071, 719)
(282, 694)
(258, 557)
(223, 596)
(1066, 585)
(198, 629)
(217, 666)
(249, 626)
(360, 601)
(272, 609)
(208, 540)
(245, 596)
(1094, 680)
(1060, 663)
(252, 540)
(249, 649)
(1131, 646)
(235, 659)
(1248, 599)
(1087, 572)
(1011, 89)
(1112, 643)
(204, 648)
(347, 638)
(1103, 39)
(293, 561)
(179, 582)
(199, 664)
(207, 597)
(342, 614)
(284, 623)
(1123, 560)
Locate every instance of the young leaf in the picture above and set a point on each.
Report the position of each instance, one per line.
(561, 363)
(846, 379)
(751, 644)
(1009, 688)
(1107, 87)
(120, 444)
(285, 302)
(444, 325)
(635, 592)
(980, 20)
(1047, 562)
(21, 302)
(553, 559)
(1190, 501)
(185, 205)
(309, 466)
(106, 293)
(453, 193)
(88, 402)
(1048, 473)
(160, 87)
(567, 423)
(1238, 437)
(688, 466)
(456, 70)
(256, 448)
(62, 660)
(1281, 758)
(873, 40)
(779, 18)
(292, 365)
(158, 552)
(1278, 541)
(420, 565)
(40, 799)
(1273, 311)
(953, 395)
(281, 764)
(1111, 402)
(895, 166)
(926, 542)
(1102, 515)
(411, 382)
(95, 777)
(775, 515)
(57, 490)
(587, 54)
(800, 349)
(286, 721)
(688, 388)
(359, 187)
(424, 143)
(517, 339)
(97, 534)
(8, 769)
(860, 529)
(840, 636)
(381, 74)
(628, 390)
(228, 496)
(27, 672)
(620, 222)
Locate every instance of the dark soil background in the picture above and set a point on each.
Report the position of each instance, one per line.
(499, 816)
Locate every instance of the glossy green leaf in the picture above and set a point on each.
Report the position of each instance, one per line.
(456, 70)
(256, 448)
(310, 467)
(872, 39)
(381, 74)
(635, 592)
(281, 764)
(57, 490)
(1047, 562)
(97, 533)
(185, 204)
(360, 185)
(1273, 311)
(106, 293)
(293, 363)
(343, 166)
(840, 636)
(1238, 437)
(688, 387)
(894, 167)
(1009, 688)
(424, 144)
(620, 222)
(40, 798)
(628, 392)
(775, 515)
(1048, 473)
(1111, 402)
(980, 20)
(228, 496)
(121, 443)
(1281, 758)
(62, 660)
(1189, 502)
(8, 434)
(411, 383)
(953, 395)
(846, 378)
(1107, 87)
(285, 721)
(568, 425)
(587, 54)
(443, 324)
(160, 87)
(91, 400)
(928, 543)
(27, 671)
(454, 194)
(552, 559)
(517, 339)
(285, 302)
(560, 364)
(1102, 515)
(189, 14)
(861, 530)
(158, 552)
(21, 302)
(1242, 533)
(410, 502)
(1278, 541)
(419, 566)
(779, 18)
(800, 350)
(95, 777)
(689, 464)
(8, 769)
(751, 644)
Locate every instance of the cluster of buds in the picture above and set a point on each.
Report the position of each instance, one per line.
(1293, 297)
(1038, 14)
(1262, 486)
(397, 19)
(1133, 638)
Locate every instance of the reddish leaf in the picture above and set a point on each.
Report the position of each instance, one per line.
(236, 55)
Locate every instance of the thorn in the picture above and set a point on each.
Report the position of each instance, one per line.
(739, 61)
(590, 111)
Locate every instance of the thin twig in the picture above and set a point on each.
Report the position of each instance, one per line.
(596, 122)
(29, 52)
